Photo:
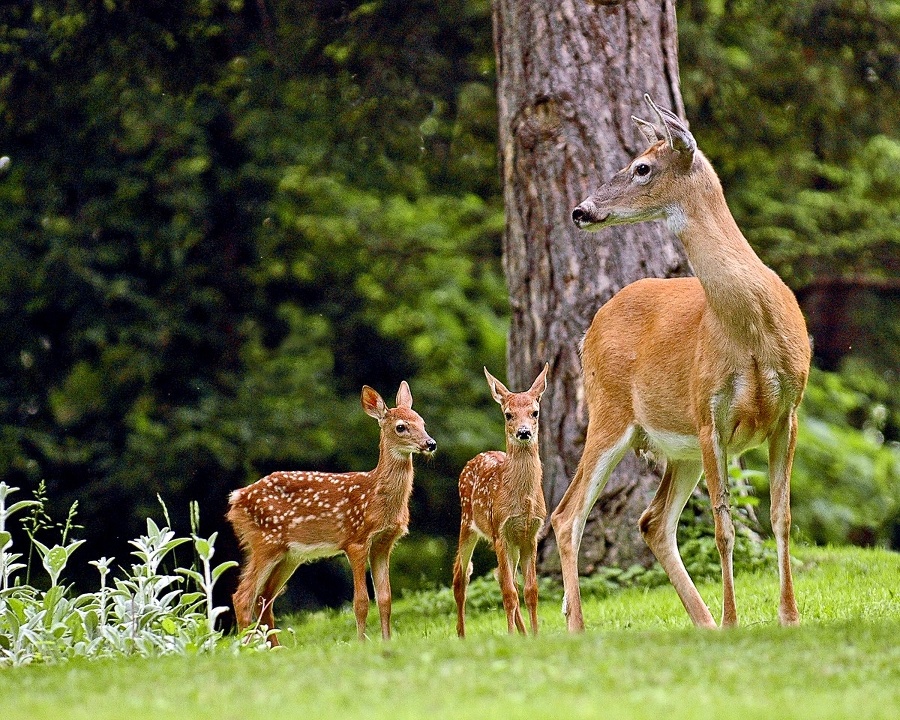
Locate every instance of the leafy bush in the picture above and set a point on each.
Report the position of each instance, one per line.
(145, 612)
(846, 477)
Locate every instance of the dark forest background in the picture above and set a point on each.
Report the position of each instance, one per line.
(219, 218)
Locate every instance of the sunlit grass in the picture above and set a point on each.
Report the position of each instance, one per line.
(639, 659)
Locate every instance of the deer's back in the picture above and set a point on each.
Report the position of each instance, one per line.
(302, 508)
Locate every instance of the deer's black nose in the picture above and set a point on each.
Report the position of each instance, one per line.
(578, 215)
(523, 434)
(430, 445)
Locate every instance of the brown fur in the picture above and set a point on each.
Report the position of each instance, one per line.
(288, 518)
(691, 369)
(502, 499)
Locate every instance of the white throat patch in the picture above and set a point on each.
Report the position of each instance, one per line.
(676, 219)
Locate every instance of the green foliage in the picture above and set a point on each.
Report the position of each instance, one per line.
(793, 102)
(144, 612)
(221, 218)
(846, 477)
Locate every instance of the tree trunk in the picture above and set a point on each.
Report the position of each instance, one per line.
(570, 73)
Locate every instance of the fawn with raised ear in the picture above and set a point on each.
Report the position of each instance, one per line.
(289, 518)
(502, 499)
(693, 369)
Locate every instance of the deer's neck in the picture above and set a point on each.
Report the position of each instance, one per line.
(393, 476)
(743, 295)
(522, 470)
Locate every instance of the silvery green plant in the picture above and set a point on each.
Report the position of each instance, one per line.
(9, 561)
(147, 611)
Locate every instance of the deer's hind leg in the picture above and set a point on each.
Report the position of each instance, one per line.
(604, 448)
(462, 571)
(270, 585)
(659, 526)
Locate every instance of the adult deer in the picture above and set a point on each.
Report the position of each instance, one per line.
(695, 369)
(502, 499)
(288, 518)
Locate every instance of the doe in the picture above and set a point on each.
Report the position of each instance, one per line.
(289, 518)
(693, 369)
(502, 500)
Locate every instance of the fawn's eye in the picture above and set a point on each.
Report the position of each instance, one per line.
(401, 428)
(508, 415)
(642, 170)
(534, 414)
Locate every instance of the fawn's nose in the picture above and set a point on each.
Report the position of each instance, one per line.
(579, 215)
(430, 445)
(523, 434)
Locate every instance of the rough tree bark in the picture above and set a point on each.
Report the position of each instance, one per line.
(570, 74)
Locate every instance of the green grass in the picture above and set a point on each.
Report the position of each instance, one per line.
(639, 659)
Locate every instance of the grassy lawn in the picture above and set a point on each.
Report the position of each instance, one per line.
(639, 659)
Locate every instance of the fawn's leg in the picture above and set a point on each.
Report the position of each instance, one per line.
(462, 571)
(278, 577)
(379, 559)
(505, 570)
(245, 597)
(531, 584)
(357, 555)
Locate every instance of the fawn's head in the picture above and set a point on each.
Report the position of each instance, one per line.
(402, 428)
(521, 410)
(652, 185)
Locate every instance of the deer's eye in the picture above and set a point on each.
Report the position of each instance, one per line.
(401, 428)
(508, 415)
(642, 170)
(534, 414)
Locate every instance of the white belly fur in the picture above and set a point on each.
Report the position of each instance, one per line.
(299, 554)
(673, 445)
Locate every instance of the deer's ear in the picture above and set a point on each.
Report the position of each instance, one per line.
(498, 389)
(540, 384)
(678, 136)
(372, 403)
(648, 130)
(404, 396)
(682, 139)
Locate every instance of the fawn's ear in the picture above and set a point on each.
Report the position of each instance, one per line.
(372, 403)
(540, 384)
(498, 389)
(404, 396)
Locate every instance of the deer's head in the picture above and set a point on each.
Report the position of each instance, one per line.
(402, 428)
(521, 410)
(649, 187)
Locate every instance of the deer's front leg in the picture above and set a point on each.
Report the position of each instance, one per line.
(715, 467)
(357, 554)
(505, 575)
(529, 556)
(379, 558)
(781, 457)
